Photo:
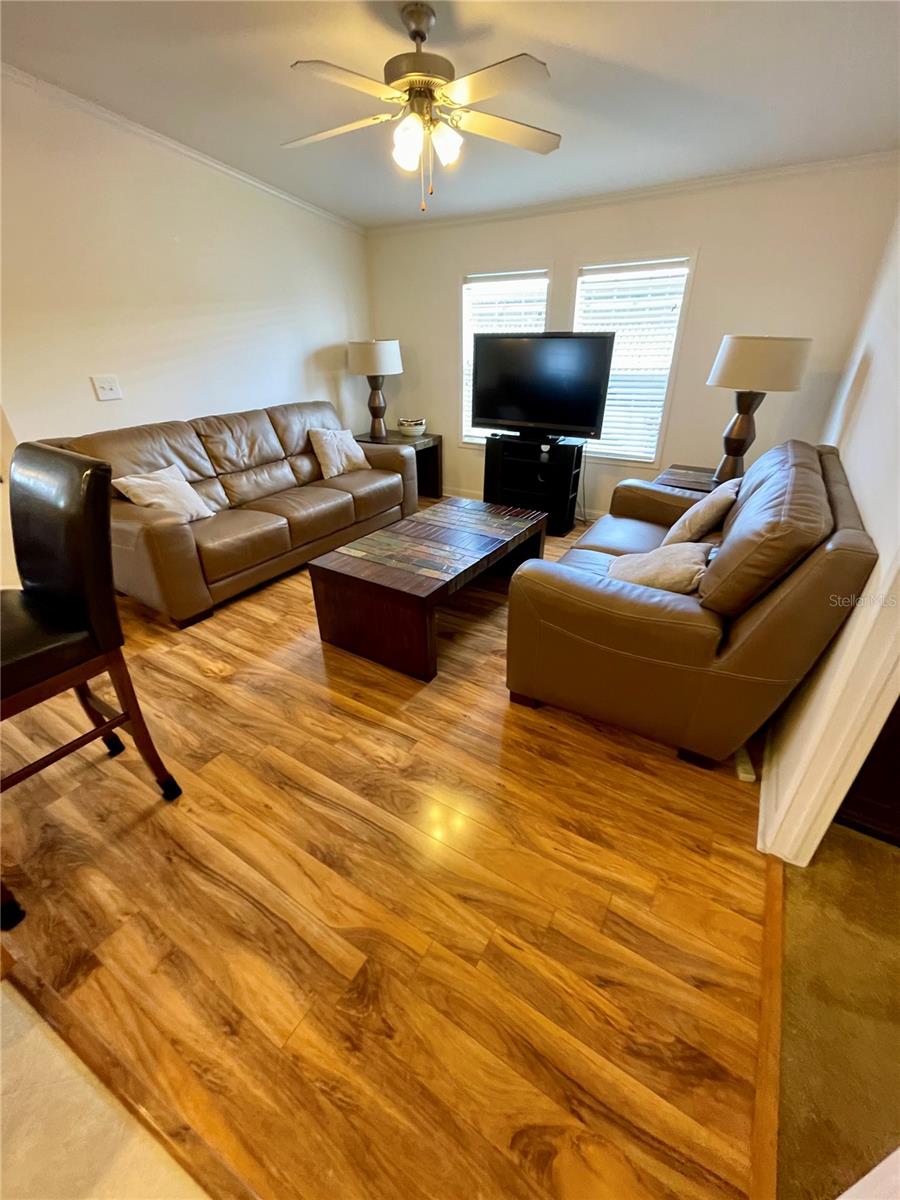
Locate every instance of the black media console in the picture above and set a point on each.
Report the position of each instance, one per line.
(544, 475)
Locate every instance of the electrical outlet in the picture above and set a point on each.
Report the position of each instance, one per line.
(106, 387)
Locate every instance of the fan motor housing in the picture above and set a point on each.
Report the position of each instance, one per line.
(418, 69)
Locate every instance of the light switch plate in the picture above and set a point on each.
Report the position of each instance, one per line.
(106, 387)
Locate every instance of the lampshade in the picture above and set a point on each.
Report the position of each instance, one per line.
(760, 364)
(374, 358)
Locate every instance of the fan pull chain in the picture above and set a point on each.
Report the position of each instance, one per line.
(430, 165)
(422, 205)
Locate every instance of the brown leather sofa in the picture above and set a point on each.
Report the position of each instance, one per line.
(705, 671)
(273, 510)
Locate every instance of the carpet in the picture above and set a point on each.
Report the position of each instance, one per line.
(840, 1058)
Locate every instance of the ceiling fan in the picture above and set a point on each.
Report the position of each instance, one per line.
(432, 105)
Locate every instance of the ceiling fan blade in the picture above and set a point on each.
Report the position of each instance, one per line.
(520, 71)
(514, 133)
(330, 133)
(351, 79)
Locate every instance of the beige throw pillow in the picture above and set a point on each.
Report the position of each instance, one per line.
(338, 452)
(166, 489)
(676, 568)
(705, 515)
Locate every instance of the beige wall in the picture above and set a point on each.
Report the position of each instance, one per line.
(792, 254)
(824, 735)
(200, 291)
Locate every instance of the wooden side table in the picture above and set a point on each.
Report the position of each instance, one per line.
(429, 462)
(693, 479)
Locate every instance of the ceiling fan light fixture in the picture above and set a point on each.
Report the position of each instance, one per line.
(447, 143)
(409, 138)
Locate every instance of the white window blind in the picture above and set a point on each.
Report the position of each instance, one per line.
(513, 303)
(641, 304)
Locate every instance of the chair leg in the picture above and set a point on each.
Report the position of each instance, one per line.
(86, 699)
(118, 672)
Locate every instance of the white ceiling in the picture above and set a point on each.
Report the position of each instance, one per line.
(642, 93)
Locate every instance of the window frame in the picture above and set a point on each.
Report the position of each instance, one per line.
(592, 452)
(474, 440)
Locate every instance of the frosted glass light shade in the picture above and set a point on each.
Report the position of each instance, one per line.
(760, 364)
(447, 143)
(374, 358)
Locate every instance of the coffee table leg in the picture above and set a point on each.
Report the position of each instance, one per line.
(380, 624)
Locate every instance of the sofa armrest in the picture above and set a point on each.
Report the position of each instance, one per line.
(155, 559)
(625, 617)
(401, 459)
(651, 501)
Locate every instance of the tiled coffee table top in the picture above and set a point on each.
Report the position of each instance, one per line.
(443, 540)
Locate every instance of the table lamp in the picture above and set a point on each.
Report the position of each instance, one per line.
(753, 366)
(375, 360)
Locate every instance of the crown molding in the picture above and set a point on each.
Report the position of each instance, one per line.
(70, 100)
(700, 183)
(406, 226)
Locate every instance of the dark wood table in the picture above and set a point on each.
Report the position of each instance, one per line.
(376, 596)
(429, 465)
(693, 479)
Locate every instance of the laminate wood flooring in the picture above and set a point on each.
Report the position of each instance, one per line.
(395, 940)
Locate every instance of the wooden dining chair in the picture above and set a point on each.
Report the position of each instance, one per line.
(61, 629)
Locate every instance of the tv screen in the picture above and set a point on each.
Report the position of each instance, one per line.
(545, 383)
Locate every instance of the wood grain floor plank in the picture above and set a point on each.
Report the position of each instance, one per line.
(642, 987)
(661, 1140)
(376, 931)
(275, 955)
(396, 1040)
(492, 897)
(255, 1092)
(350, 851)
(689, 1078)
(716, 924)
(715, 972)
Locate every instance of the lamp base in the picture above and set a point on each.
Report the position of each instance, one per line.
(739, 435)
(377, 406)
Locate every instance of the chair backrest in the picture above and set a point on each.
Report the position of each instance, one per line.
(59, 505)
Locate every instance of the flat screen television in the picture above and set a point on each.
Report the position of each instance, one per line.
(541, 384)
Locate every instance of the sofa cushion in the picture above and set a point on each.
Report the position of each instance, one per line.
(594, 561)
(678, 567)
(310, 512)
(704, 516)
(784, 517)
(622, 535)
(292, 423)
(140, 449)
(373, 491)
(338, 452)
(166, 488)
(247, 456)
(237, 538)
(776, 461)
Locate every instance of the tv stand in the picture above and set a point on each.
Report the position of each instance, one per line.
(541, 473)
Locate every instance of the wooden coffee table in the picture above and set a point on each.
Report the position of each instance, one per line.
(376, 596)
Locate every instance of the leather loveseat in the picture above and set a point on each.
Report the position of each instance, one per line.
(702, 672)
(273, 510)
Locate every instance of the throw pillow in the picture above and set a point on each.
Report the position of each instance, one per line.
(705, 515)
(167, 489)
(338, 452)
(676, 568)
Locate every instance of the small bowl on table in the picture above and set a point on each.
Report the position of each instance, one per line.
(411, 427)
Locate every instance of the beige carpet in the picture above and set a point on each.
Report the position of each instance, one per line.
(840, 1058)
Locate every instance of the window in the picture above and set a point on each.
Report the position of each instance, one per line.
(512, 303)
(641, 304)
